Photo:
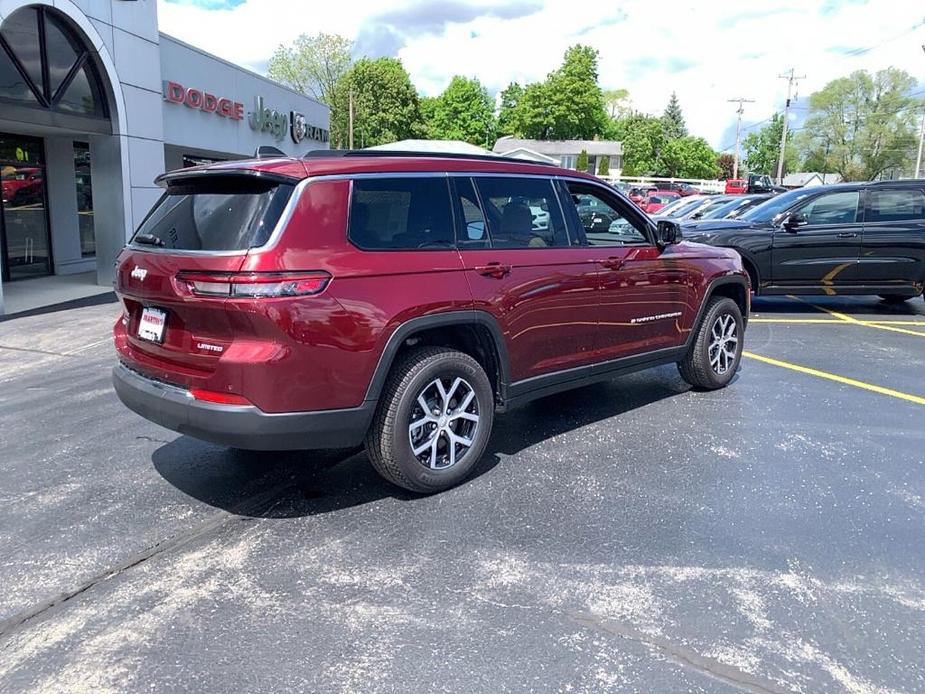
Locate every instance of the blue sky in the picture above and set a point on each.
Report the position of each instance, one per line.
(708, 52)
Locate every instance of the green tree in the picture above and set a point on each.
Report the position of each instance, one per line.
(581, 162)
(567, 105)
(464, 111)
(507, 113)
(312, 64)
(643, 139)
(673, 119)
(385, 104)
(576, 102)
(687, 157)
(603, 166)
(428, 108)
(761, 149)
(862, 125)
(617, 103)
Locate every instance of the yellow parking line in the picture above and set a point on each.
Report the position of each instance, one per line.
(832, 321)
(835, 377)
(849, 319)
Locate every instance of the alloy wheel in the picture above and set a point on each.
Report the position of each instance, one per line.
(444, 422)
(724, 343)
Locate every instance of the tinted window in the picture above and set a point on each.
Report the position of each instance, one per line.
(833, 208)
(896, 205)
(214, 216)
(474, 230)
(603, 223)
(401, 213)
(522, 212)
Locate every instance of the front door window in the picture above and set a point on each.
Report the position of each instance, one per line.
(23, 215)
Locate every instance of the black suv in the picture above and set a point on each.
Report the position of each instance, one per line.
(853, 238)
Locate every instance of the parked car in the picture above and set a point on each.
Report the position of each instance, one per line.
(401, 300)
(682, 189)
(678, 206)
(689, 206)
(657, 200)
(22, 185)
(639, 193)
(854, 238)
(736, 186)
(730, 209)
(755, 184)
(714, 202)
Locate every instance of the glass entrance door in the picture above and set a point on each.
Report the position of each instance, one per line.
(26, 244)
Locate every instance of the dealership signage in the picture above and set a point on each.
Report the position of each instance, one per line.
(176, 93)
(279, 123)
(262, 119)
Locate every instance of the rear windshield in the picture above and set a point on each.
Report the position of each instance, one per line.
(222, 215)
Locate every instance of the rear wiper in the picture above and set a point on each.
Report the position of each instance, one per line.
(148, 240)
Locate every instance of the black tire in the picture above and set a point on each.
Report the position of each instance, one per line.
(388, 442)
(696, 367)
(894, 298)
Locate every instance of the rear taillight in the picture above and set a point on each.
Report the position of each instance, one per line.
(254, 284)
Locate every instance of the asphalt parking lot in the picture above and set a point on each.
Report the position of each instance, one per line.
(630, 536)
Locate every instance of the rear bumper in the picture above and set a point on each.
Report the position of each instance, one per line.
(240, 426)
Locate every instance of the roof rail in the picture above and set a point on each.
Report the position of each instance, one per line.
(377, 153)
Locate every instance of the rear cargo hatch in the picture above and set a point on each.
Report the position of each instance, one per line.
(170, 277)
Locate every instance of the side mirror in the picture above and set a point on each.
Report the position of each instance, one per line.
(794, 220)
(668, 232)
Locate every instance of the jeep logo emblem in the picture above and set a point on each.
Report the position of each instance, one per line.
(139, 273)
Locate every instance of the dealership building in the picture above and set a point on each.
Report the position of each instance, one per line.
(95, 103)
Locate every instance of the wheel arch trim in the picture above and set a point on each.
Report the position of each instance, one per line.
(468, 317)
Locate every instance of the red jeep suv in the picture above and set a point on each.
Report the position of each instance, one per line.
(402, 300)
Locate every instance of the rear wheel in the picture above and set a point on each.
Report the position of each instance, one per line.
(716, 351)
(433, 421)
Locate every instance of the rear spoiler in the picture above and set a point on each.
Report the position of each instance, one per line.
(189, 175)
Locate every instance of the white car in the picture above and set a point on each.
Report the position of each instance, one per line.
(540, 218)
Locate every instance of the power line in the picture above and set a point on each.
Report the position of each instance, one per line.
(862, 51)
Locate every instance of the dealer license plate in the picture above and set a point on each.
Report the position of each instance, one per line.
(152, 324)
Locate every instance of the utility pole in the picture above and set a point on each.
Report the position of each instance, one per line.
(918, 159)
(739, 111)
(350, 119)
(791, 78)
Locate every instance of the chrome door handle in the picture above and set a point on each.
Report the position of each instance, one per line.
(846, 235)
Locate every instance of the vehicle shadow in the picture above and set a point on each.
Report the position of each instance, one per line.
(852, 305)
(304, 483)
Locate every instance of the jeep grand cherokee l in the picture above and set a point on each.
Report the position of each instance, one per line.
(852, 238)
(402, 301)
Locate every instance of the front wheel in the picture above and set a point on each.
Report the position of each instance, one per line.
(716, 350)
(433, 421)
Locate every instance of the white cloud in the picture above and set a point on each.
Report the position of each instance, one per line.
(707, 52)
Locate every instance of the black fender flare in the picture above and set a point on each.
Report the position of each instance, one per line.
(410, 327)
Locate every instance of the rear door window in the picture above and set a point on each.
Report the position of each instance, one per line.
(401, 214)
(897, 205)
(225, 214)
(522, 212)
